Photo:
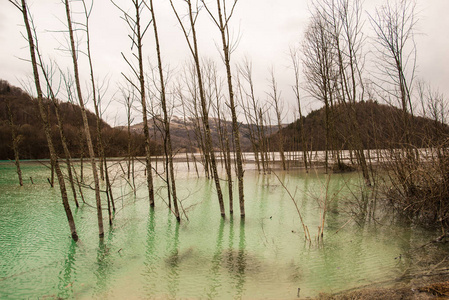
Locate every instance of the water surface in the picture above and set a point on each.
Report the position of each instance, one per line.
(147, 254)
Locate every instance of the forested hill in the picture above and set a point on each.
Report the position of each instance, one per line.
(32, 141)
(378, 125)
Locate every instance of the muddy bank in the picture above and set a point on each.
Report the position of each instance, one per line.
(436, 290)
(425, 276)
(428, 278)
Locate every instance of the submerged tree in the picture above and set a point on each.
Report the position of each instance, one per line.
(46, 72)
(294, 55)
(253, 114)
(215, 91)
(24, 10)
(319, 70)
(344, 22)
(15, 141)
(348, 42)
(128, 100)
(104, 171)
(193, 46)
(135, 25)
(168, 143)
(394, 25)
(221, 20)
(73, 51)
(276, 102)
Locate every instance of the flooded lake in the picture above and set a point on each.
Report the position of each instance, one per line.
(146, 254)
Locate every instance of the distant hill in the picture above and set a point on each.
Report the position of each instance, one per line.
(380, 126)
(33, 144)
(183, 134)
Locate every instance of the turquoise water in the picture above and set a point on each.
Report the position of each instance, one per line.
(146, 254)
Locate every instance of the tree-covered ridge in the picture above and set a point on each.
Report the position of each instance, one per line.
(381, 127)
(29, 128)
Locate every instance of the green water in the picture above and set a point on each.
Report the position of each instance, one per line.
(147, 254)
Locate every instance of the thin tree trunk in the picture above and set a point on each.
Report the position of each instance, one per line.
(166, 120)
(45, 121)
(52, 163)
(264, 146)
(60, 125)
(143, 101)
(85, 122)
(277, 108)
(103, 161)
(303, 147)
(15, 142)
(222, 24)
(205, 118)
(68, 158)
(224, 138)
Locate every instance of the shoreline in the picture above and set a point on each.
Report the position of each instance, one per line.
(430, 288)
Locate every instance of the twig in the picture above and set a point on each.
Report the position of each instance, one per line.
(296, 205)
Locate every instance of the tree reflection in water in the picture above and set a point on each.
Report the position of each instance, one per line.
(216, 264)
(241, 261)
(173, 262)
(105, 265)
(151, 257)
(67, 276)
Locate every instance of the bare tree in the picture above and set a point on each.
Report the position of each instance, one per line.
(135, 25)
(215, 86)
(165, 113)
(128, 101)
(68, 85)
(250, 120)
(319, 69)
(187, 128)
(47, 73)
(96, 97)
(394, 24)
(264, 141)
(294, 55)
(193, 46)
(73, 50)
(221, 20)
(193, 108)
(24, 10)
(350, 60)
(276, 102)
(15, 141)
(344, 22)
(251, 110)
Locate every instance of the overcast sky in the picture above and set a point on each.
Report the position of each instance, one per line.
(265, 30)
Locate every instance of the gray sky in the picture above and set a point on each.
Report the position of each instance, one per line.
(266, 29)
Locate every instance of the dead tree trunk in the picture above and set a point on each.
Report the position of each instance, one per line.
(166, 120)
(222, 21)
(15, 142)
(60, 126)
(295, 61)
(253, 114)
(134, 25)
(24, 9)
(205, 118)
(52, 163)
(394, 25)
(224, 137)
(277, 109)
(85, 122)
(103, 162)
